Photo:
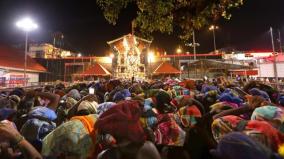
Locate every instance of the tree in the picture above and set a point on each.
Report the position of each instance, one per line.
(166, 16)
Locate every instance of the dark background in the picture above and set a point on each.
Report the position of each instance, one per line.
(85, 29)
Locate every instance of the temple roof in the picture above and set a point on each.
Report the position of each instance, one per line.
(166, 68)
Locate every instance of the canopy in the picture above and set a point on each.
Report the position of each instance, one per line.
(166, 68)
(95, 70)
(14, 59)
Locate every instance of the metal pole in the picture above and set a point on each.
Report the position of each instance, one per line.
(187, 69)
(280, 44)
(64, 76)
(194, 44)
(180, 70)
(25, 67)
(214, 39)
(274, 58)
(83, 69)
(151, 68)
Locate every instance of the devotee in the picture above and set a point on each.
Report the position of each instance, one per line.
(165, 118)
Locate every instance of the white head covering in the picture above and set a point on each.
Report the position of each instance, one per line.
(87, 105)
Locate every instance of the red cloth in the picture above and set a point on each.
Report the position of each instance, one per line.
(189, 84)
(274, 137)
(122, 121)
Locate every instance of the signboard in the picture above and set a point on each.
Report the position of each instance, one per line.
(16, 79)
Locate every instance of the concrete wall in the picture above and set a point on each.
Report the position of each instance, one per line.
(16, 78)
(266, 70)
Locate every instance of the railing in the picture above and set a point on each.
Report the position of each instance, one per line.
(30, 85)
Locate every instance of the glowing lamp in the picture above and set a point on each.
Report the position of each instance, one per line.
(111, 56)
(151, 56)
(27, 24)
(178, 50)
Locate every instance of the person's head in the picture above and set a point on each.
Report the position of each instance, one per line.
(87, 107)
(122, 122)
(255, 101)
(258, 92)
(18, 91)
(163, 101)
(237, 145)
(281, 100)
(272, 114)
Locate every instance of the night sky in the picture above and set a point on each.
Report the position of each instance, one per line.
(85, 29)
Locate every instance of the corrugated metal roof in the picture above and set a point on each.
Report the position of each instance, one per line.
(166, 68)
(12, 58)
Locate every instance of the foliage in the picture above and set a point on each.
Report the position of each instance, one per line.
(167, 16)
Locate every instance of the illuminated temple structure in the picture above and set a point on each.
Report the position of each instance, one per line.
(130, 57)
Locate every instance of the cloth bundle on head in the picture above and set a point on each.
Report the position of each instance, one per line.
(42, 112)
(258, 92)
(273, 93)
(181, 101)
(206, 88)
(228, 97)
(75, 138)
(211, 93)
(261, 131)
(178, 90)
(103, 107)
(239, 146)
(122, 122)
(121, 95)
(231, 91)
(75, 94)
(168, 132)
(209, 97)
(84, 93)
(220, 106)
(148, 121)
(271, 114)
(189, 84)
(171, 82)
(38, 125)
(188, 116)
(89, 106)
(70, 102)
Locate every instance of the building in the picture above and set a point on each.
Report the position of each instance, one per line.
(266, 68)
(12, 68)
(246, 57)
(46, 50)
(129, 56)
